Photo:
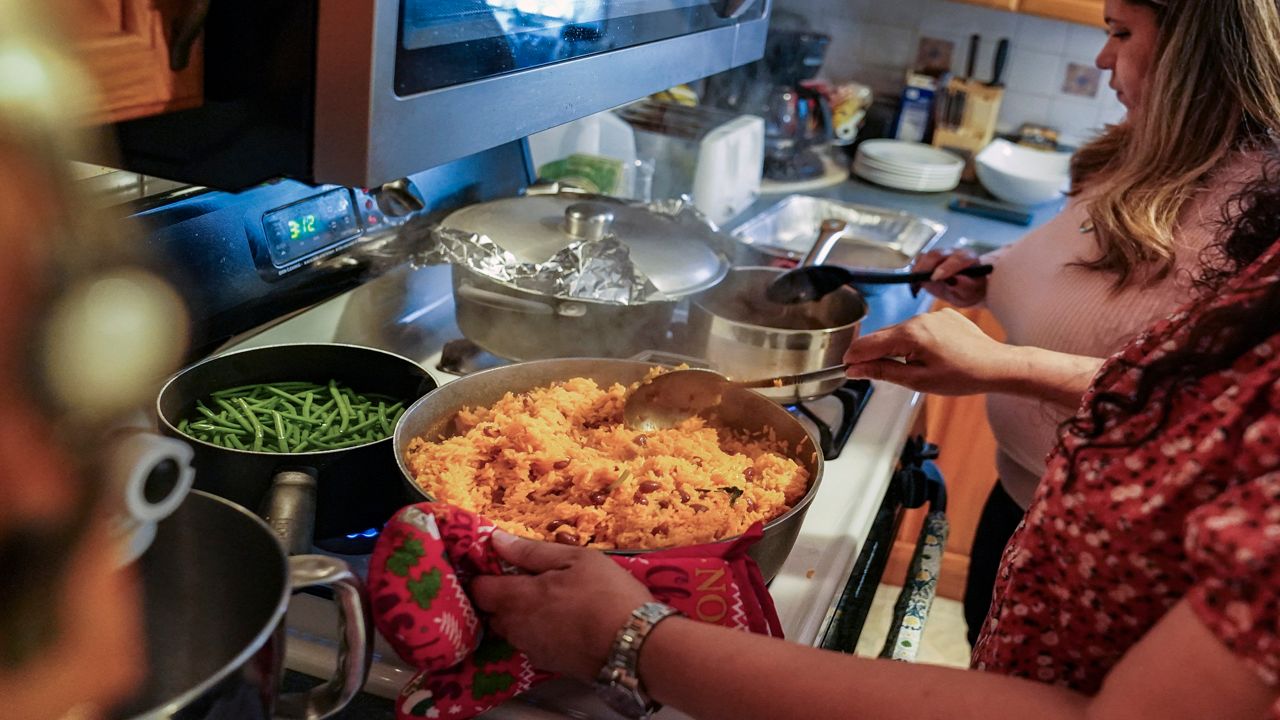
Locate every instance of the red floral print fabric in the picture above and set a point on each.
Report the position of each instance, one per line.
(1125, 526)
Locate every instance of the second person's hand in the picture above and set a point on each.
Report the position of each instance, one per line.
(940, 352)
(959, 290)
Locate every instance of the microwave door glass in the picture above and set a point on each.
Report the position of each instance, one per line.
(451, 42)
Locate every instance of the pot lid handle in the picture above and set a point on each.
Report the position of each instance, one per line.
(588, 220)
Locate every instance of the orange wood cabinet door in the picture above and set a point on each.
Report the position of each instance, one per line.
(958, 426)
(997, 4)
(1088, 12)
(125, 45)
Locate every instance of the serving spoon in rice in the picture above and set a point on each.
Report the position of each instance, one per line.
(669, 399)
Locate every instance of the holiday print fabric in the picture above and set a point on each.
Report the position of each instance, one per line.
(428, 554)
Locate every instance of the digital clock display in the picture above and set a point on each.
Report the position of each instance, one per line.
(304, 228)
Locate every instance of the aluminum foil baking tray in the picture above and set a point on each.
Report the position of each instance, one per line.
(877, 238)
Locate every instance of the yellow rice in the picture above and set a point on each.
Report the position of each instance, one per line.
(556, 463)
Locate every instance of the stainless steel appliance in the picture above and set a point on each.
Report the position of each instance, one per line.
(363, 92)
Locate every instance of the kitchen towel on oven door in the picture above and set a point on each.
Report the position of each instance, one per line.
(427, 555)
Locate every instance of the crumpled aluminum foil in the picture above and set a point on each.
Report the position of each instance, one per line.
(599, 270)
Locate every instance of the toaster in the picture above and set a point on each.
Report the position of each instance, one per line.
(714, 156)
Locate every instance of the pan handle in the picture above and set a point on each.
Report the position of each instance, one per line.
(829, 233)
(355, 651)
(498, 301)
(291, 509)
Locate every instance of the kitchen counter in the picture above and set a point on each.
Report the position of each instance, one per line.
(410, 312)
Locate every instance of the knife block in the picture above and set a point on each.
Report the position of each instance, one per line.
(971, 129)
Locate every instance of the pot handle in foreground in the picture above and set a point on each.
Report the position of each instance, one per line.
(498, 301)
(355, 648)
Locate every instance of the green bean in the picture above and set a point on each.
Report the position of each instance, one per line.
(306, 404)
(253, 420)
(281, 436)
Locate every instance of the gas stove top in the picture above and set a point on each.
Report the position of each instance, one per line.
(410, 312)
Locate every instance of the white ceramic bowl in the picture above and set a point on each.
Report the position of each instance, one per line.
(1022, 175)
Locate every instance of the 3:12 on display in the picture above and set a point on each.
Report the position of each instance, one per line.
(302, 227)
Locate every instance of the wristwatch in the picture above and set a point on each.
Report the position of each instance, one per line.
(619, 680)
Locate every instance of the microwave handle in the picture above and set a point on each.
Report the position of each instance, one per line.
(731, 8)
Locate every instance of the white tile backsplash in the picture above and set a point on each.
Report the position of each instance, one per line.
(1033, 72)
(874, 42)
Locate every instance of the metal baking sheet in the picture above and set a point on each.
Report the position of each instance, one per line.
(878, 238)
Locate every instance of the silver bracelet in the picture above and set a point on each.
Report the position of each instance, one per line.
(618, 682)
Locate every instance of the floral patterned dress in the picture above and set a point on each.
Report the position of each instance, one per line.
(1116, 536)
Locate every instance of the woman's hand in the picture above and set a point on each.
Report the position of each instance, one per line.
(565, 615)
(946, 354)
(940, 352)
(959, 290)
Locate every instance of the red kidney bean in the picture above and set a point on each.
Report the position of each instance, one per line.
(642, 440)
(698, 507)
(684, 496)
(664, 504)
(598, 497)
(749, 473)
(561, 464)
(649, 486)
(555, 524)
(567, 537)
(640, 499)
(751, 505)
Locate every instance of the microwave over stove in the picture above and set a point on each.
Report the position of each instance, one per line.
(363, 92)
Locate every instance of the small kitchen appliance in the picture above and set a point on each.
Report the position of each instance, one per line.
(714, 156)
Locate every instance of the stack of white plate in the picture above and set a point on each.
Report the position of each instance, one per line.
(907, 166)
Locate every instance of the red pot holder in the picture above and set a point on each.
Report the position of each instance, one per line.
(426, 557)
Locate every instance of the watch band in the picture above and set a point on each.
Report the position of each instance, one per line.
(619, 680)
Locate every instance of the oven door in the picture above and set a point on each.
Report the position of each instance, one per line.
(403, 85)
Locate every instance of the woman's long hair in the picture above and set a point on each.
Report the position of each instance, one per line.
(1213, 88)
(1220, 336)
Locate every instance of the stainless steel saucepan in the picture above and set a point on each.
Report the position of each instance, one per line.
(743, 334)
(432, 417)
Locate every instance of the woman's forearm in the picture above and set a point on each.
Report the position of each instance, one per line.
(709, 672)
(1058, 377)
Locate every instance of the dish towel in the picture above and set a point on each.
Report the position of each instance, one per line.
(426, 557)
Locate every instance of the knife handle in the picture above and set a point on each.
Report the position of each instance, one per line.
(1002, 57)
(975, 41)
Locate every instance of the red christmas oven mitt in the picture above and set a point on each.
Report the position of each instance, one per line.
(427, 555)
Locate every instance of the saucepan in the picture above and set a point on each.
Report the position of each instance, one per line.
(433, 416)
(742, 334)
(215, 586)
(356, 488)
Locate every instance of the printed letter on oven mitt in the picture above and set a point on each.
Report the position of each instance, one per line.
(429, 552)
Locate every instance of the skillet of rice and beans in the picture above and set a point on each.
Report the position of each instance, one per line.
(556, 463)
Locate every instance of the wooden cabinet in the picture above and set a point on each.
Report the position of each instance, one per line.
(997, 4)
(1087, 12)
(958, 426)
(125, 45)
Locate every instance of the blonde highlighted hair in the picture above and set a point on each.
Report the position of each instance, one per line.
(1213, 88)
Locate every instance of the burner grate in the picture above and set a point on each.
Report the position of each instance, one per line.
(853, 397)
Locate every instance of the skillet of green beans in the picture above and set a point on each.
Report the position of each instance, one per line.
(292, 417)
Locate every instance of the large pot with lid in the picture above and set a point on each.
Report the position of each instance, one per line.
(548, 317)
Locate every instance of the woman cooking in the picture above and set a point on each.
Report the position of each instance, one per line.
(1144, 583)
(1149, 196)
